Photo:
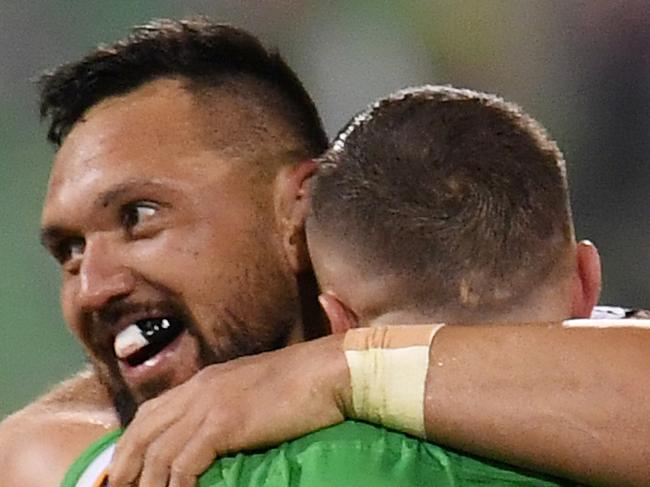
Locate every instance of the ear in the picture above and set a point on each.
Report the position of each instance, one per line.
(292, 209)
(586, 281)
(341, 317)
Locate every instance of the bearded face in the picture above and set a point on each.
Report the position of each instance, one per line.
(169, 253)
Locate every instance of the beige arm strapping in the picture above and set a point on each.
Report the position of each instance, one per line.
(388, 369)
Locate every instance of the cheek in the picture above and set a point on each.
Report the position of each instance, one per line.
(74, 321)
(195, 262)
(169, 256)
(67, 296)
(212, 263)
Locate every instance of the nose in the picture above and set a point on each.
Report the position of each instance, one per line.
(103, 276)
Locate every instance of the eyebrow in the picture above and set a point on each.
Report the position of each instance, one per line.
(52, 233)
(105, 198)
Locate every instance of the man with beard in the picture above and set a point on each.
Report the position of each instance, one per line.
(172, 148)
(173, 206)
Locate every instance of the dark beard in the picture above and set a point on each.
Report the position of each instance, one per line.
(125, 403)
(314, 322)
(123, 400)
(241, 342)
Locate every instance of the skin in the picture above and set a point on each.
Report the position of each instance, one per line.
(47, 436)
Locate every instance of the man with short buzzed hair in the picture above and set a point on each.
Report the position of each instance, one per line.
(450, 205)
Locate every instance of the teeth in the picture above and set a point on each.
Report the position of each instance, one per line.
(145, 338)
(130, 340)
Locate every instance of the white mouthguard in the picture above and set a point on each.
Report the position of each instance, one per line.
(129, 341)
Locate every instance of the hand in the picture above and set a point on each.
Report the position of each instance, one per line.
(248, 403)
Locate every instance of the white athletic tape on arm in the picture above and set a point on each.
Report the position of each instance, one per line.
(388, 370)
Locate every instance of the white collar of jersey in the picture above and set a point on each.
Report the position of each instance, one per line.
(97, 472)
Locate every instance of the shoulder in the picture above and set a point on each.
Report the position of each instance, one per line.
(83, 391)
(38, 445)
(40, 442)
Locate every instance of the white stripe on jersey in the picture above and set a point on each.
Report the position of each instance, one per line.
(93, 473)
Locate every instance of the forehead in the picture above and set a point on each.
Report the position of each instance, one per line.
(150, 128)
(158, 132)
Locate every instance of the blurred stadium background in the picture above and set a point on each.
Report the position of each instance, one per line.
(582, 68)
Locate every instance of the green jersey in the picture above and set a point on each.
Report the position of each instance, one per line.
(348, 454)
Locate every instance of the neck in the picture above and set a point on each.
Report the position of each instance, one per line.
(544, 306)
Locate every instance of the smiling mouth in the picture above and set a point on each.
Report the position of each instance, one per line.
(144, 339)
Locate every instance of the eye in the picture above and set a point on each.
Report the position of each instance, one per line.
(138, 213)
(68, 250)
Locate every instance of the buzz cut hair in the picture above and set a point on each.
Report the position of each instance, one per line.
(204, 53)
(458, 194)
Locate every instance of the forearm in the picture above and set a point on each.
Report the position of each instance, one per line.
(569, 402)
(573, 402)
